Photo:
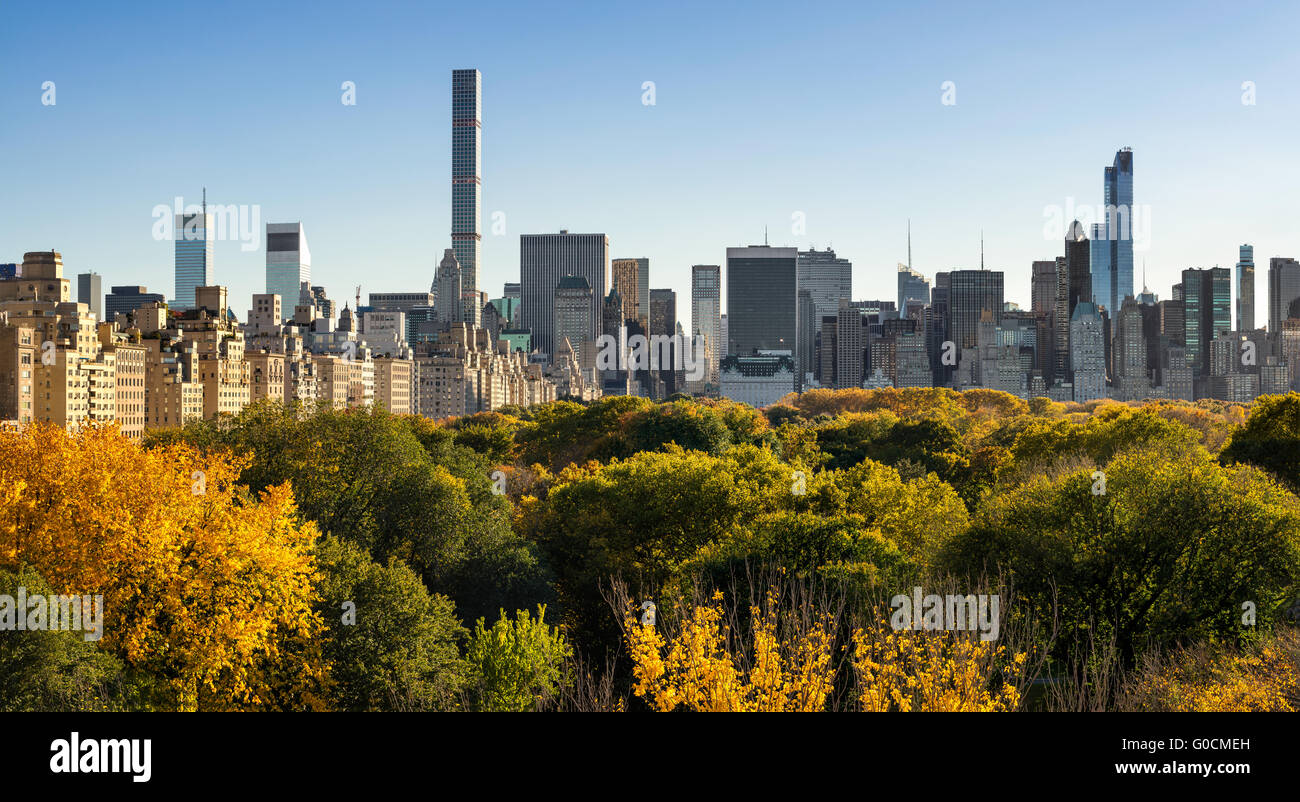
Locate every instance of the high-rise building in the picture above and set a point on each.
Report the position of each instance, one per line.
(1207, 313)
(706, 314)
(850, 346)
(913, 287)
(827, 278)
(970, 293)
(1130, 353)
(450, 295)
(573, 311)
(467, 185)
(663, 312)
(1119, 227)
(193, 266)
(1283, 290)
(1099, 267)
(544, 259)
(1087, 353)
(90, 291)
(631, 278)
(1246, 288)
(288, 262)
(762, 293)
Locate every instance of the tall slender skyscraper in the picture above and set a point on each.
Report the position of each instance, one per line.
(632, 280)
(1119, 228)
(1099, 267)
(1246, 288)
(448, 285)
(706, 314)
(193, 241)
(467, 184)
(288, 263)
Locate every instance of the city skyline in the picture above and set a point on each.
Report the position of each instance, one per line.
(372, 204)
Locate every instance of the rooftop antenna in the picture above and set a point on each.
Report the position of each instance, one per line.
(909, 243)
(205, 203)
(764, 236)
(981, 249)
(358, 296)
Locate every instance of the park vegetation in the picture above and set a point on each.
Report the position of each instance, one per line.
(688, 554)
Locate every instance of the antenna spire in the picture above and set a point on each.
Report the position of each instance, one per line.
(909, 243)
(205, 203)
(764, 236)
(981, 249)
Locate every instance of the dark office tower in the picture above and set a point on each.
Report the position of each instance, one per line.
(762, 293)
(91, 293)
(1119, 227)
(631, 278)
(1042, 293)
(1283, 288)
(826, 346)
(1246, 288)
(614, 380)
(663, 312)
(937, 329)
(467, 184)
(1077, 262)
(970, 293)
(1207, 313)
(544, 259)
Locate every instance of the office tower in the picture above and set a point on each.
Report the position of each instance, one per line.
(937, 331)
(631, 278)
(913, 287)
(126, 299)
(827, 278)
(762, 293)
(970, 293)
(706, 314)
(90, 291)
(288, 262)
(467, 185)
(511, 292)
(573, 311)
(544, 259)
(1246, 288)
(1283, 290)
(806, 358)
(399, 301)
(193, 246)
(1207, 312)
(450, 295)
(1099, 267)
(850, 346)
(663, 312)
(1130, 354)
(1087, 353)
(1077, 262)
(1119, 227)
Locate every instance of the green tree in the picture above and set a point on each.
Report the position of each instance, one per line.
(517, 666)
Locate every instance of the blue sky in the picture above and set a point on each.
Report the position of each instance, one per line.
(762, 110)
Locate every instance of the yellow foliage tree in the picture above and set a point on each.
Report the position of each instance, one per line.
(940, 671)
(699, 669)
(205, 588)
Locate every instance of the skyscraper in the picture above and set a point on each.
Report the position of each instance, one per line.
(1119, 227)
(450, 285)
(1246, 288)
(1087, 353)
(1283, 290)
(467, 184)
(573, 311)
(706, 313)
(631, 278)
(663, 312)
(970, 292)
(827, 278)
(1099, 268)
(545, 259)
(288, 263)
(762, 291)
(1207, 313)
(193, 241)
(90, 291)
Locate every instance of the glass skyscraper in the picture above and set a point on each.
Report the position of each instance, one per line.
(288, 263)
(466, 183)
(1099, 258)
(762, 292)
(193, 239)
(706, 313)
(1246, 288)
(1119, 228)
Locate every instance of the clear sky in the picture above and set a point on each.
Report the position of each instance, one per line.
(762, 110)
